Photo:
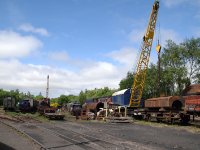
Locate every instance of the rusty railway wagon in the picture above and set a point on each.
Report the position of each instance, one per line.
(171, 108)
(168, 109)
(192, 99)
(93, 107)
(49, 112)
(192, 104)
(89, 110)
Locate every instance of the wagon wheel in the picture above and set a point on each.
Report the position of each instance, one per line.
(172, 121)
(148, 117)
(159, 119)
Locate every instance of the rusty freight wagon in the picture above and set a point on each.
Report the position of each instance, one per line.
(192, 99)
(192, 103)
(50, 112)
(165, 103)
(168, 109)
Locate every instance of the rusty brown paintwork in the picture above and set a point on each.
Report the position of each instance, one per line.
(161, 102)
(192, 90)
(192, 103)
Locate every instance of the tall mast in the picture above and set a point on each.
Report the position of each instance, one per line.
(47, 90)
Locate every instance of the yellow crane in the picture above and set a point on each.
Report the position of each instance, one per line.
(140, 75)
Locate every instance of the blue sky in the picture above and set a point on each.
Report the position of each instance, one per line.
(82, 44)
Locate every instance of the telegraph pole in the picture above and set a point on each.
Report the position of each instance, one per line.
(47, 90)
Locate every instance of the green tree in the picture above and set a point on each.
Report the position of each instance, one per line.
(127, 82)
(63, 99)
(39, 96)
(3, 94)
(151, 83)
(82, 97)
(54, 100)
(180, 66)
(173, 64)
(197, 78)
(72, 98)
(96, 93)
(192, 57)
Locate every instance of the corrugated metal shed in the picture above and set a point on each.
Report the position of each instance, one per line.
(121, 97)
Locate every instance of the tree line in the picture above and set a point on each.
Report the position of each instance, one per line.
(15, 94)
(62, 99)
(179, 67)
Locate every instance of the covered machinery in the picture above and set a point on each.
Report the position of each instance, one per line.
(9, 103)
(121, 97)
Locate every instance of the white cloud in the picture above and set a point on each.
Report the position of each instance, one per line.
(173, 3)
(29, 77)
(59, 56)
(14, 45)
(30, 28)
(170, 3)
(125, 56)
(99, 70)
(169, 34)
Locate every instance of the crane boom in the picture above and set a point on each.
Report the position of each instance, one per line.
(140, 75)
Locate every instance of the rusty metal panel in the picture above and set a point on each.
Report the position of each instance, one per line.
(192, 90)
(192, 103)
(159, 102)
(90, 106)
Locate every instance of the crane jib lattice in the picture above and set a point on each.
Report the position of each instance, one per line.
(140, 74)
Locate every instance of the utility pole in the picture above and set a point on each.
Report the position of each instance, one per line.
(47, 90)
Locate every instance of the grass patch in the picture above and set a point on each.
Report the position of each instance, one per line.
(188, 128)
(153, 124)
(35, 116)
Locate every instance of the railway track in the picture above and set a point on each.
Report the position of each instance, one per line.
(82, 140)
(101, 132)
(58, 135)
(54, 137)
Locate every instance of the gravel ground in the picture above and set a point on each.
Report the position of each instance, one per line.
(84, 135)
(10, 139)
(164, 137)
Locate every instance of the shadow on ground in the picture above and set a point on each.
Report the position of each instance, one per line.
(5, 147)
